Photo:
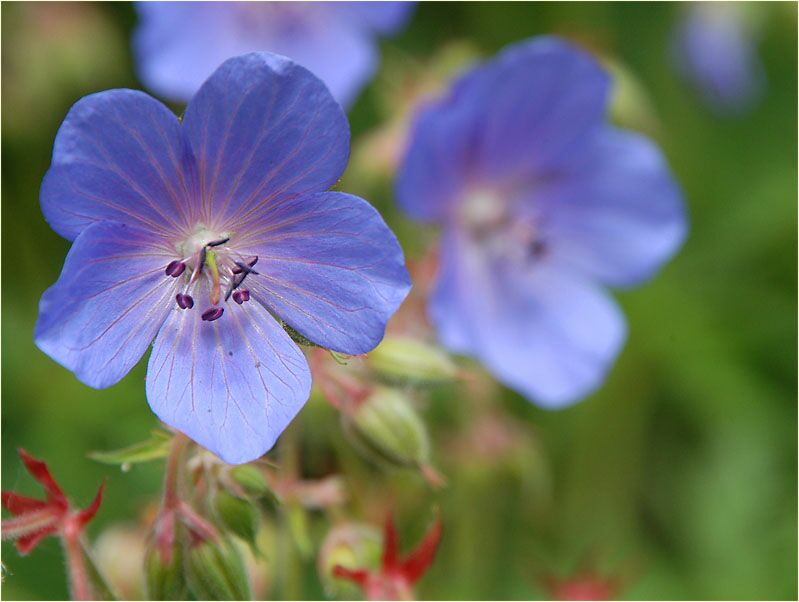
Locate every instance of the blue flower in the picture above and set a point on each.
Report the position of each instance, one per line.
(179, 44)
(541, 203)
(715, 52)
(203, 235)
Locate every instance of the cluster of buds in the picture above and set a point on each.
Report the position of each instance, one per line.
(35, 519)
(192, 554)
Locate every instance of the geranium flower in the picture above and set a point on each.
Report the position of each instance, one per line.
(715, 50)
(395, 578)
(207, 233)
(541, 203)
(178, 44)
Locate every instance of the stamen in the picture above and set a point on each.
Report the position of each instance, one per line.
(240, 267)
(184, 301)
(241, 296)
(175, 268)
(216, 243)
(212, 313)
(201, 262)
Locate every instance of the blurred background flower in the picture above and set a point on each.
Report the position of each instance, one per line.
(541, 204)
(179, 44)
(715, 49)
(684, 463)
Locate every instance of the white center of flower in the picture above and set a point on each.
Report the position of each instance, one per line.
(489, 218)
(199, 238)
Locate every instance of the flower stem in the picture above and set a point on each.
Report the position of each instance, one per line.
(292, 570)
(85, 580)
(174, 464)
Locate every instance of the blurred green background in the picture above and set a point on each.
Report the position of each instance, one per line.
(679, 476)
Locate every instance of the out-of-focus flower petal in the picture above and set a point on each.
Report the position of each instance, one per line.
(543, 331)
(436, 169)
(543, 98)
(232, 385)
(178, 45)
(344, 58)
(507, 121)
(382, 17)
(109, 302)
(331, 268)
(263, 129)
(715, 52)
(118, 156)
(616, 214)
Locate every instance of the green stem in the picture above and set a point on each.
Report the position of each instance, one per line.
(292, 569)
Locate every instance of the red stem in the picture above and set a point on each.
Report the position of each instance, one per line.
(76, 568)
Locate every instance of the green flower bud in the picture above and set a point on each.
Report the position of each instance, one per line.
(386, 427)
(164, 579)
(353, 546)
(406, 360)
(251, 480)
(237, 515)
(215, 571)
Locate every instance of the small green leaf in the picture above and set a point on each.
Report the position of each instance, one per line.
(155, 448)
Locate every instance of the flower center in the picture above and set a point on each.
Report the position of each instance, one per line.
(208, 264)
(504, 233)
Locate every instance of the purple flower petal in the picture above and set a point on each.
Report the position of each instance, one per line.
(341, 54)
(382, 17)
(263, 129)
(109, 302)
(436, 168)
(331, 268)
(118, 156)
(513, 119)
(715, 51)
(178, 45)
(540, 100)
(547, 333)
(232, 385)
(616, 214)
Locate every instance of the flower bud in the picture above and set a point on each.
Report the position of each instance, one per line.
(237, 515)
(119, 554)
(215, 571)
(406, 360)
(164, 577)
(351, 545)
(387, 428)
(251, 480)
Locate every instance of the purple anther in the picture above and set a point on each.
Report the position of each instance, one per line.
(241, 296)
(240, 267)
(175, 268)
(184, 301)
(212, 313)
